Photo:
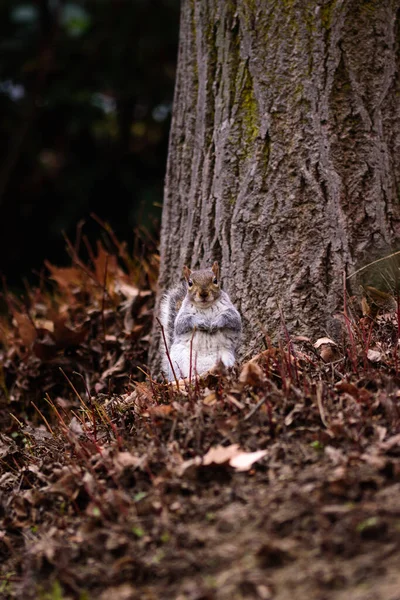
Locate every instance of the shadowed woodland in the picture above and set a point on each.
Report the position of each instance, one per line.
(85, 99)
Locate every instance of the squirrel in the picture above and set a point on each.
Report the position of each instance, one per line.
(201, 326)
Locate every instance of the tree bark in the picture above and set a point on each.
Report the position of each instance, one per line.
(284, 156)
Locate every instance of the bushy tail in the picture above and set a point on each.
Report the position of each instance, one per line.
(169, 307)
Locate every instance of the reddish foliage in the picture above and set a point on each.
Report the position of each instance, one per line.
(117, 486)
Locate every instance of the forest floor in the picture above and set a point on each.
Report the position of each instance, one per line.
(278, 481)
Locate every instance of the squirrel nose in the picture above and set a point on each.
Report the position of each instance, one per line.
(203, 294)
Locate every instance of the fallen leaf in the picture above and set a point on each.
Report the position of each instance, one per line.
(301, 338)
(374, 460)
(328, 354)
(105, 264)
(162, 411)
(359, 394)
(336, 455)
(7, 446)
(374, 355)
(275, 554)
(44, 346)
(234, 456)
(124, 460)
(232, 400)
(25, 328)
(67, 278)
(116, 368)
(391, 443)
(68, 485)
(125, 289)
(44, 324)
(324, 340)
(377, 301)
(252, 374)
(245, 460)
(210, 399)
(220, 454)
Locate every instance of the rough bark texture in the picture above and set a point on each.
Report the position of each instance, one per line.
(284, 158)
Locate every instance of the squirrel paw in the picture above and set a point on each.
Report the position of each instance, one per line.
(203, 327)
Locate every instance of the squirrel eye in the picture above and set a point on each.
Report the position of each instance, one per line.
(215, 281)
(190, 282)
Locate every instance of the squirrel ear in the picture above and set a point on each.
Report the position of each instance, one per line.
(186, 272)
(215, 269)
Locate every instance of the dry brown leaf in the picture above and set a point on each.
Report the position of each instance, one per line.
(163, 411)
(391, 443)
(374, 355)
(45, 546)
(298, 409)
(124, 460)
(7, 446)
(44, 346)
(117, 367)
(44, 324)
(374, 460)
(360, 394)
(365, 307)
(210, 399)
(104, 263)
(68, 485)
(300, 338)
(234, 456)
(328, 353)
(232, 400)
(252, 374)
(265, 355)
(324, 340)
(220, 454)
(125, 289)
(336, 455)
(381, 431)
(245, 460)
(377, 301)
(135, 331)
(66, 277)
(25, 327)
(143, 392)
(348, 388)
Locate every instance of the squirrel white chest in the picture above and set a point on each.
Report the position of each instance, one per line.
(196, 351)
(200, 351)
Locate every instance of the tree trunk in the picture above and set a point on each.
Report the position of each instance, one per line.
(284, 157)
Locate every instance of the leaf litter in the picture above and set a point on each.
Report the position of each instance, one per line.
(278, 480)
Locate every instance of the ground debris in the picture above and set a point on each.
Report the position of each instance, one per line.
(280, 482)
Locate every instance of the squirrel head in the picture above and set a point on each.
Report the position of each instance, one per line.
(203, 286)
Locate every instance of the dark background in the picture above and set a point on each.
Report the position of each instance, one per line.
(86, 90)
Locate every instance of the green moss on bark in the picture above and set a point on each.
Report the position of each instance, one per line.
(327, 14)
(248, 110)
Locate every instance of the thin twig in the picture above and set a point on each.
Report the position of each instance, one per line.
(255, 408)
(191, 354)
(78, 235)
(320, 405)
(122, 253)
(373, 263)
(74, 388)
(167, 352)
(59, 416)
(44, 419)
(77, 261)
(92, 404)
(103, 302)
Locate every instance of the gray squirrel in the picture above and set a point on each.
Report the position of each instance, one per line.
(201, 326)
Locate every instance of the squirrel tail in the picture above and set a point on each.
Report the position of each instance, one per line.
(169, 307)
